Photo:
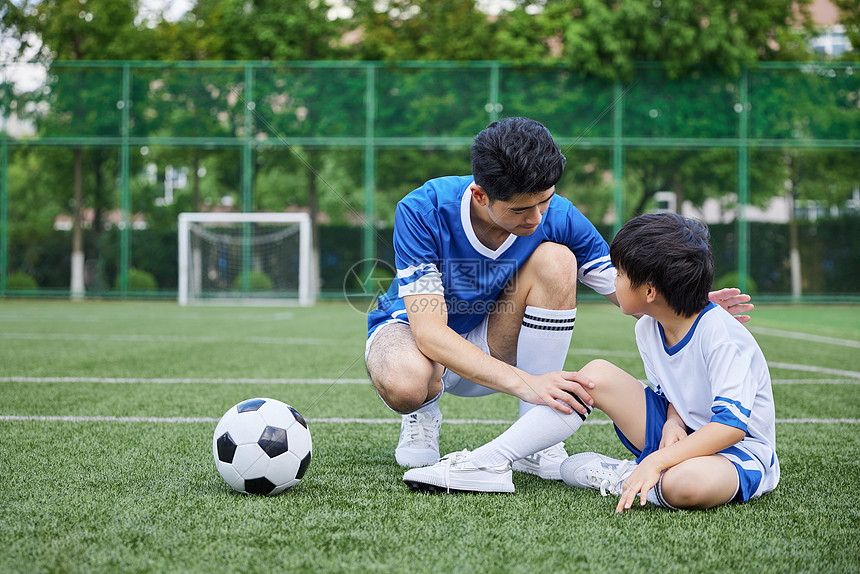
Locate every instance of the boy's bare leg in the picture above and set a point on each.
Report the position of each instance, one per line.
(701, 482)
(621, 396)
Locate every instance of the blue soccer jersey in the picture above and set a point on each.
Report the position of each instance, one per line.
(438, 253)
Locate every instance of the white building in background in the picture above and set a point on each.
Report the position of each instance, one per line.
(832, 41)
(777, 210)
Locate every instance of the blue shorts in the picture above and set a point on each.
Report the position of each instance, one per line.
(754, 478)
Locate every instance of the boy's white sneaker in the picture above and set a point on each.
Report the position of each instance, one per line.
(593, 470)
(458, 472)
(544, 463)
(419, 439)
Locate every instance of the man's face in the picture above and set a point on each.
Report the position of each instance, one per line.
(522, 215)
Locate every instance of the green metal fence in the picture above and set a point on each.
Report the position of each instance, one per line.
(143, 141)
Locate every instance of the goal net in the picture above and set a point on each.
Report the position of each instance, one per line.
(245, 258)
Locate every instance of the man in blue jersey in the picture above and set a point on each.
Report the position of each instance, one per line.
(484, 299)
(703, 432)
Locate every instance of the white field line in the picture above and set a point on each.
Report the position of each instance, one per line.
(117, 338)
(333, 420)
(139, 380)
(811, 369)
(805, 337)
(320, 381)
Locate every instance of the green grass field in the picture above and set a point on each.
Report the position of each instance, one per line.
(107, 411)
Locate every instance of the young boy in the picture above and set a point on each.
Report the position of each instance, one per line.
(703, 432)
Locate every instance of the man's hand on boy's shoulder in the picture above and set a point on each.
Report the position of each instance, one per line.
(732, 300)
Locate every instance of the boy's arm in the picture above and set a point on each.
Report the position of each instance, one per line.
(428, 318)
(710, 439)
(674, 428)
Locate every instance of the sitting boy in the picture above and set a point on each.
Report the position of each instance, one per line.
(703, 432)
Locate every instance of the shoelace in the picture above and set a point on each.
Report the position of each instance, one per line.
(420, 429)
(610, 481)
(453, 459)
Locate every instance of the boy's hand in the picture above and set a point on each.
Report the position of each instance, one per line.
(732, 300)
(672, 433)
(640, 481)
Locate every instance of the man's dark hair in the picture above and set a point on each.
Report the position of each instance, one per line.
(670, 252)
(515, 156)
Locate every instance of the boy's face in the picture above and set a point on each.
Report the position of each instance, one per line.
(630, 300)
(523, 214)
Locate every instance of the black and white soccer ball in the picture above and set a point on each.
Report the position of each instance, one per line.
(262, 446)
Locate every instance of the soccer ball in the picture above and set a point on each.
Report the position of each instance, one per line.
(262, 446)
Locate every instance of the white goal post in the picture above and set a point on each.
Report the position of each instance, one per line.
(245, 258)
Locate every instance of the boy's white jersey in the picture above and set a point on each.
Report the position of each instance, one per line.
(717, 373)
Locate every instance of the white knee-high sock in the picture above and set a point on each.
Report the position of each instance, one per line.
(543, 342)
(538, 429)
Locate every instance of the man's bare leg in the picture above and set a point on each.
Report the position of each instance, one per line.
(410, 384)
(403, 376)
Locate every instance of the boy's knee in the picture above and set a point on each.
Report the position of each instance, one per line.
(597, 369)
(681, 490)
(690, 486)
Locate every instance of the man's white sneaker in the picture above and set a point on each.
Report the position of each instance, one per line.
(457, 472)
(419, 439)
(544, 463)
(593, 470)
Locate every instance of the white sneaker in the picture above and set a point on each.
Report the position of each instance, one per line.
(593, 470)
(544, 463)
(419, 439)
(457, 472)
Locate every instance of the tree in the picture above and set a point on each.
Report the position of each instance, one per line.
(606, 39)
(402, 30)
(76, 30)
(253, 30)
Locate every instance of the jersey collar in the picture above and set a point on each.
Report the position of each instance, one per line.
(466, 221)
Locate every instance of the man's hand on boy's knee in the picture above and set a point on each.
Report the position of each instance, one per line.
(732, 300)
(564, 391)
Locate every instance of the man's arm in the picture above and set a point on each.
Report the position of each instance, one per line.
(710, 439)
(428, 318)
(731, 299)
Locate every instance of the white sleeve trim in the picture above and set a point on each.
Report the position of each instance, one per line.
(428, 284)
(599, 274)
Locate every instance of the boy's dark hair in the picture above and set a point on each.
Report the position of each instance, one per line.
(514, 156)
(670, 252)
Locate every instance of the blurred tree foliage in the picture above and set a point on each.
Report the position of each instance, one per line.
(565, 58)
